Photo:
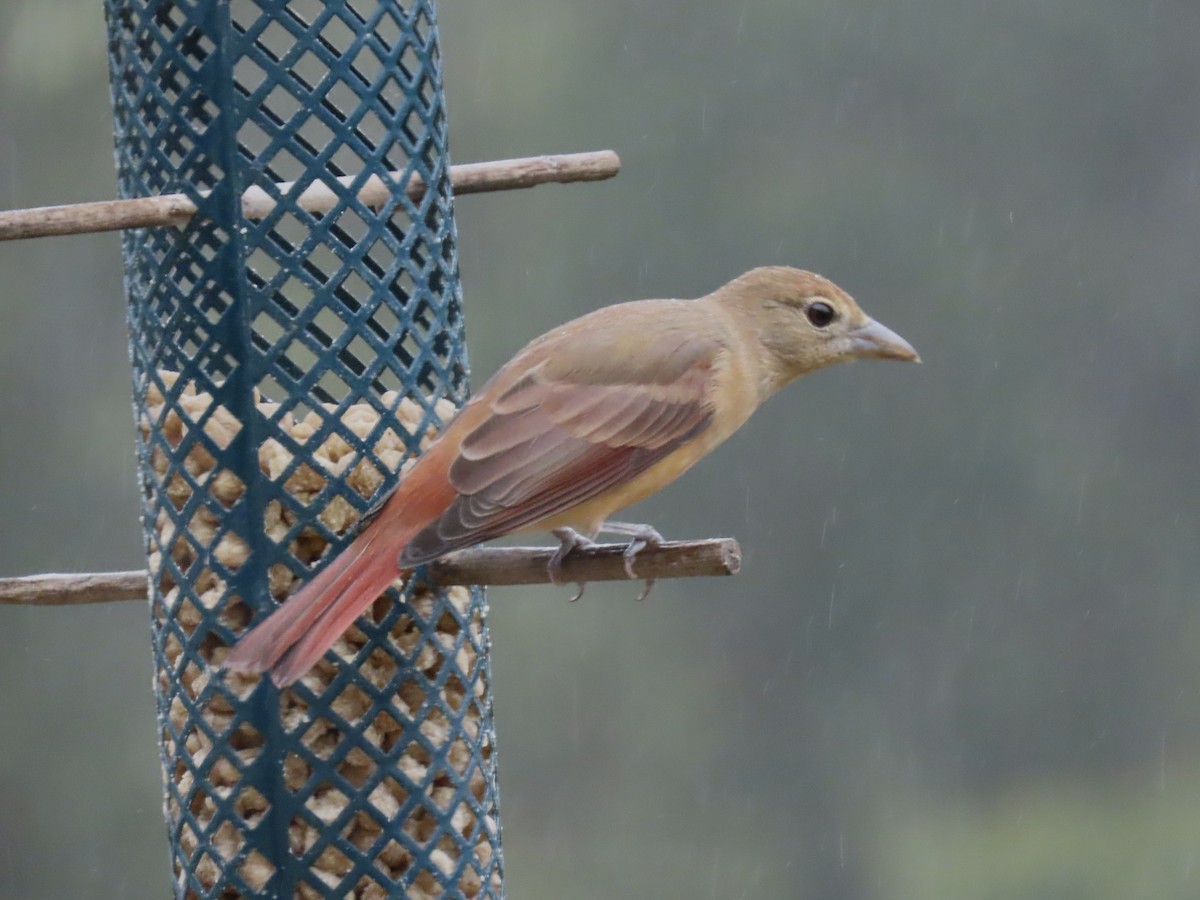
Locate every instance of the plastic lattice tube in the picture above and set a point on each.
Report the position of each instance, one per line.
(282, 371)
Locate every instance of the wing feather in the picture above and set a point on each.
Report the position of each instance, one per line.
(609, 418)
(499, 433)
(560, 435)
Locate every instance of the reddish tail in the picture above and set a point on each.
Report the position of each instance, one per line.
(291, 640)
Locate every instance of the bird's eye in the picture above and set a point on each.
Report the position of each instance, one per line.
(820, 314)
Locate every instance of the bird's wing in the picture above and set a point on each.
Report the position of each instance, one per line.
(571, 427)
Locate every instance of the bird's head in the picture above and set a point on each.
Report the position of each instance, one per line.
(806, 322)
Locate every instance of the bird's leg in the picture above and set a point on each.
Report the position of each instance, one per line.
(641, 537)
(568, 539)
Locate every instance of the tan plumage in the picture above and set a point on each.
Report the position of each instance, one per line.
(586, 420)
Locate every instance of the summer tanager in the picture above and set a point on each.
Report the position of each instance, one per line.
(586, 420)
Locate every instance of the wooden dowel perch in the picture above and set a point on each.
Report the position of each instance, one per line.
(479, 565)
(318, 197)
(603, 562)
(73, 590)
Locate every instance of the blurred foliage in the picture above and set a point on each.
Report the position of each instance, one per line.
(1050, 839)
(961, 659)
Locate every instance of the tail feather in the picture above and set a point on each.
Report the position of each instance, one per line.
(335, 586)
(298, 633)
(334, 617)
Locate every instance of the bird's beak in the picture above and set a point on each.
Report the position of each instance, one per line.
(876, 341)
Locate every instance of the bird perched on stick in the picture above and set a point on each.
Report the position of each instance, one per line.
(589, 418)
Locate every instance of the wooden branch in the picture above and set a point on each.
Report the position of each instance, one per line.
(73, 590)
(603, 562)
(318, 197)
(480, 565)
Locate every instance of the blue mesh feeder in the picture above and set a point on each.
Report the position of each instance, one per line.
(285, 363)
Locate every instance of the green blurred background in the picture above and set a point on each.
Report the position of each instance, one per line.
(961, 660)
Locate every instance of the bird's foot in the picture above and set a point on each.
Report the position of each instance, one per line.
(640, 537)
(568, 539)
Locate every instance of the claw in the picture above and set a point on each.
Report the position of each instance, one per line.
(568, 539)
(633, 548)
(641, 537)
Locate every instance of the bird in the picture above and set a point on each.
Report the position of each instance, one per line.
(586, 420)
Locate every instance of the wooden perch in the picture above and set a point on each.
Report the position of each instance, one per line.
(479, 565)
(603, 562)
(318, 197)
(73, 590)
